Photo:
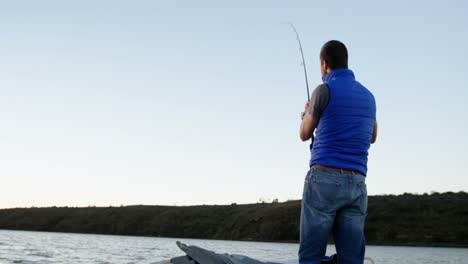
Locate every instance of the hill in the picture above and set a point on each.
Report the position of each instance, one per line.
(438, 219)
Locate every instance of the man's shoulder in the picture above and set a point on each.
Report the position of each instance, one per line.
(322, 87)
(365, 89)
(319, 100)
(369, 95)
(321, 90)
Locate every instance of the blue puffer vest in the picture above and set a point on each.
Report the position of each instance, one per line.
(344, 131)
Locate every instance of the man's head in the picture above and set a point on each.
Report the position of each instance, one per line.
(333, 55)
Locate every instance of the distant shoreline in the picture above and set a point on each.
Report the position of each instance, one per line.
(436, 220)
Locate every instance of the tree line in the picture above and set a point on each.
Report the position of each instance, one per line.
(436, 219)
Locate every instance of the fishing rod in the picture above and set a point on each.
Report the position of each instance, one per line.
(303, 60)
(312, 137)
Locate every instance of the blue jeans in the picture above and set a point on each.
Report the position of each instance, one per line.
(333, 202)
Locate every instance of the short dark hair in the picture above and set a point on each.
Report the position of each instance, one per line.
(335, 54)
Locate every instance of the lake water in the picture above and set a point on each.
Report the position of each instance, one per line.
(45, 247)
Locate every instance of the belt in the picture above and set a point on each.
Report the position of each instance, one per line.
(318, 166)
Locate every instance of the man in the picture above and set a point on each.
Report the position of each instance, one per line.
(342, 112)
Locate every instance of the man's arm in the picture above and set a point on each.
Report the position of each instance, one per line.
(374, 133)
(308, 125)
(313, 110)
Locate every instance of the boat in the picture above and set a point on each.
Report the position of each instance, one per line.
(198, 255)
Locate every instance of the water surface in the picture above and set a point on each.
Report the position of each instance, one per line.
(45, 247)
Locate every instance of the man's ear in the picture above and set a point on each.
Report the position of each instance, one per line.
(325, 65)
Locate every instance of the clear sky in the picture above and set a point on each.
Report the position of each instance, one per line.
(198, 102)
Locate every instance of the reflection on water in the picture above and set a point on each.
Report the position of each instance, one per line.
(44, 247)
